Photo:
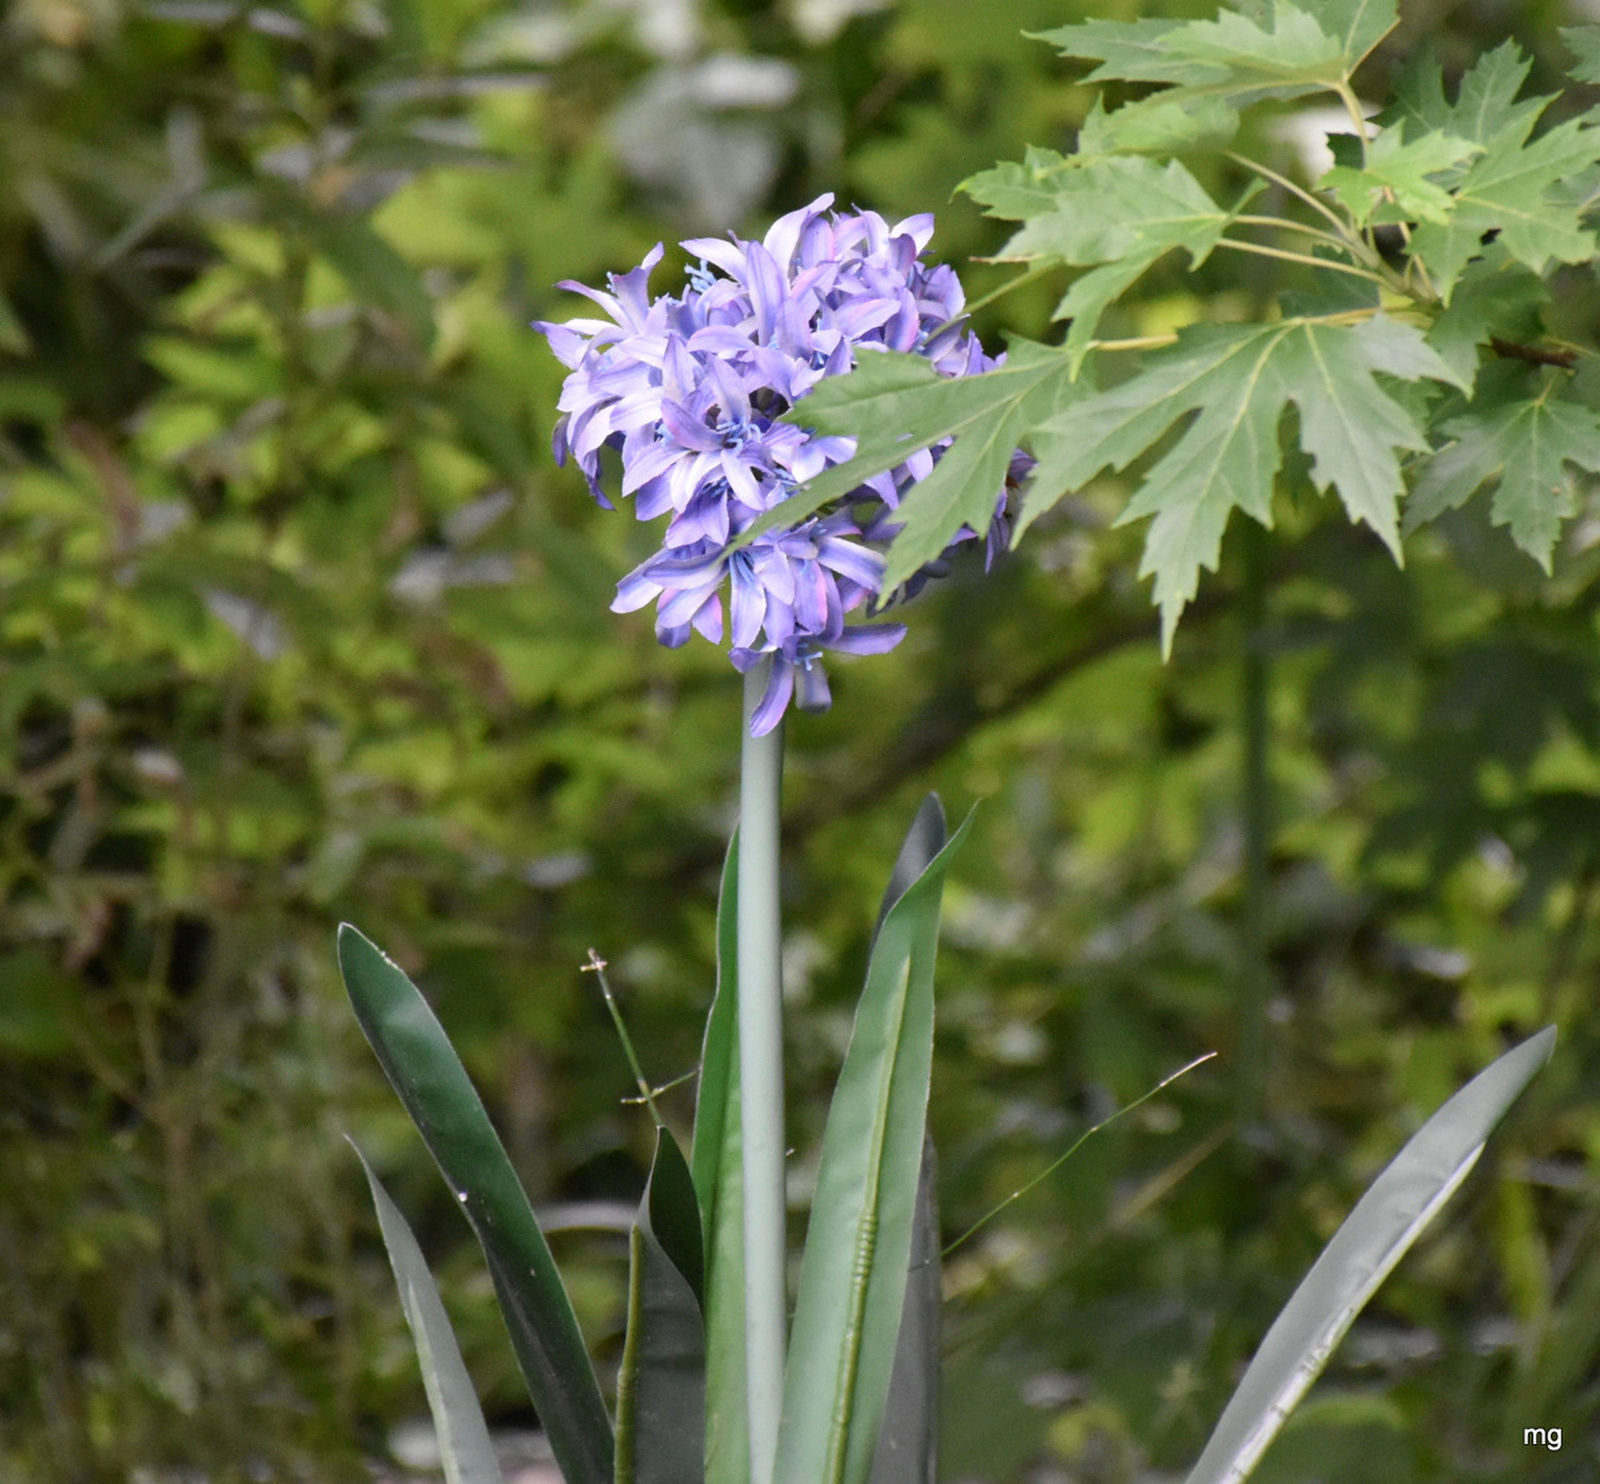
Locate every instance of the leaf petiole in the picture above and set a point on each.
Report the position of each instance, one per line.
(1038, 270)
(1340, 225)
(1288, 224)
(1262, 250)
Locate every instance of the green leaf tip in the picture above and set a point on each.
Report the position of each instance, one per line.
(1396, 1208)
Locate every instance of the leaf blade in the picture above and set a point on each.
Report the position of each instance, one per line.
(908, 1444)
(1524, 445)
(1238, 381)
(465, 1448)
(1385, 1222)
(717, 1168)
(425, 1071)
(661, 1390)
(854, 1273)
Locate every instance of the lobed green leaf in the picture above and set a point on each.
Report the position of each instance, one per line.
(1124, 212)
(1515, 188)
(1234, 56)
(1524, 446)
(897, 404)
(1239, 381)
(1401, 171)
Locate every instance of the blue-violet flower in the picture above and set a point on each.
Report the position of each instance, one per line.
(689, 389)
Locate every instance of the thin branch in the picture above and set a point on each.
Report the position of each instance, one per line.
(1534, 355)
(1038, 270)
(1340, 225)
(1077, 1144)
(1136, 342)
(1288, 224)
(1260, 250)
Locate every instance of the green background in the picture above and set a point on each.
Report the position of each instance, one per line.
(300, 624)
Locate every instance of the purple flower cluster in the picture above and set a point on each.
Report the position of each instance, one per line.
(689, 390)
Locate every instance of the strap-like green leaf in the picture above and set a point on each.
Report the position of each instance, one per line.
(908, 1445)
(717, 1167)
(858, 1247)
(424, 1069)
(1374, 1237)
(464, 1447)
(661, 1391)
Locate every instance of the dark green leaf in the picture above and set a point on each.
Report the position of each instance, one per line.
(1515, 187)
(908, 1445)
(924, 840)
(661, 1390)
(1485, 105)
(1375, 1236)
(674, 1213)
(1525, 446)
(425, 1071)
(1584, 43)
(1495, 297)
(853, 1277)
(464, 1446)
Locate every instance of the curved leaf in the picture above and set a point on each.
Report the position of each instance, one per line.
(464, 1447)
(717, 1168)
(858, 1247)
(1374, 1237)
(424, 1069)
(908, 1445)
(661, 1391)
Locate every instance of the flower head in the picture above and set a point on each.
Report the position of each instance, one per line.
(689, 389)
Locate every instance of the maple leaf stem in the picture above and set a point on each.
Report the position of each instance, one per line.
(1037, 271)
(1137, 342)
(1352, 106)
(1261, 250)
(1283, 223)
(1340, 225)
(1160, 342)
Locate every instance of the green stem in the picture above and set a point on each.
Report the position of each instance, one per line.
(1262, 251)
(1340, 226)
(597, 967)
(1257, 802)
(761, 1078)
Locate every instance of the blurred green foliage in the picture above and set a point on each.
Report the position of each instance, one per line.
(298, 623)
